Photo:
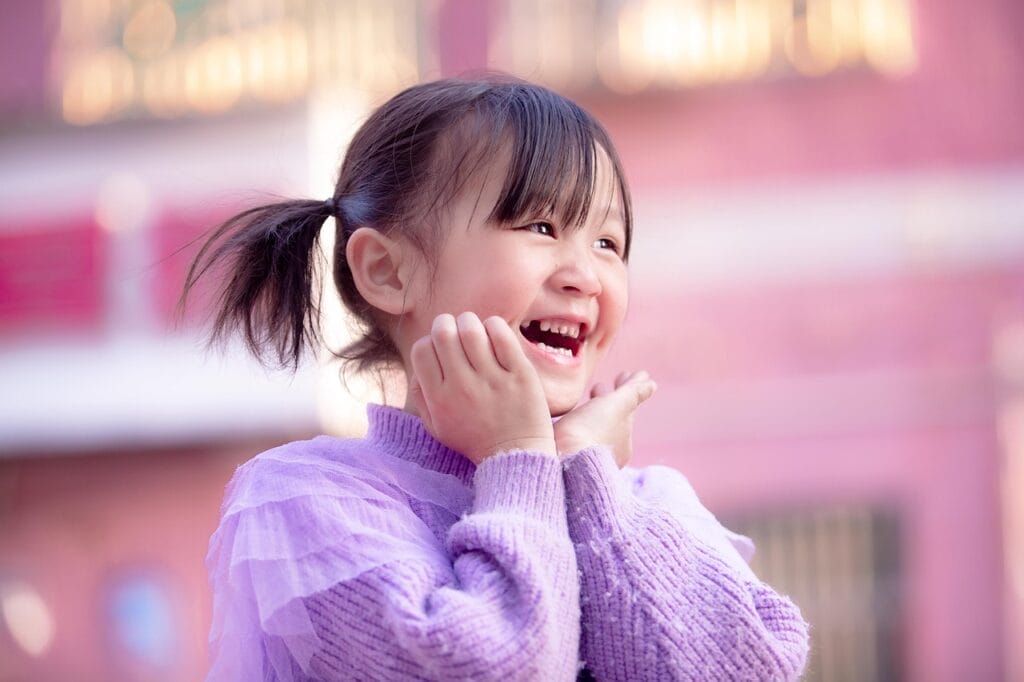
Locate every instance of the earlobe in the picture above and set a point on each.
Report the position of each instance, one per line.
(377, 265)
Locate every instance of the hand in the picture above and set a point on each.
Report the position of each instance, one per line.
(475, 389)
(607, 418)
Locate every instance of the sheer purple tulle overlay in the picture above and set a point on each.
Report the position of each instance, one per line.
(297, 520)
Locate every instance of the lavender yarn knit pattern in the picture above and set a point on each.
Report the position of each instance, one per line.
(394, 558)
(659, 602)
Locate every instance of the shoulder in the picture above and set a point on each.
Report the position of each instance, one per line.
(321, 501)
(296, 520)
(313, 451)
(293, 469)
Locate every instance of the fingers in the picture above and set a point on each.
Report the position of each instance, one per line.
(426, 366)
(444, 335)
(504, 343)
(645, 390)
(475, 344)
(641, 386)
(623, 379)
(466, 343)
(634, 387)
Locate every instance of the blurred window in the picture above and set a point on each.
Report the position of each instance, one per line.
(52, 276)
(842, 568)
(163, 59)
(633, 45)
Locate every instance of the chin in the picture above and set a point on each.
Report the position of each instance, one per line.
(559, 411)
(561, 404)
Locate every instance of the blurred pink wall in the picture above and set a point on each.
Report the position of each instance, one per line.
(74, 526)
(872, 391)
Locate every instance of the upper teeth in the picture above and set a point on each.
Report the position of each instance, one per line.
(564, 328)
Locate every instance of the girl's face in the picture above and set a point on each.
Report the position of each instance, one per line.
(562, 289)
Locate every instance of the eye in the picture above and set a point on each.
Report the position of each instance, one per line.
(607, 243)
(541, 227)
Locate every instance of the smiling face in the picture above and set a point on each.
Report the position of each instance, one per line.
(561, 286)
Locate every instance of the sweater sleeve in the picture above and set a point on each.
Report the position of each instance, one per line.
(665, 596)
(505, 607)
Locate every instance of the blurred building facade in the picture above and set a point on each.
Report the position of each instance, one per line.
(827, 284)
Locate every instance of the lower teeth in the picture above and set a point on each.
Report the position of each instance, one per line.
(552, 349)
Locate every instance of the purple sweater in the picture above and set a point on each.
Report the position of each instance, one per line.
(524, 568)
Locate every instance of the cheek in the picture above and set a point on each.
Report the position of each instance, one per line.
(483, 290)
(616, 297)
(502, 289)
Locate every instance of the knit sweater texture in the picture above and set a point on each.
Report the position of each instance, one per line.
(524, 568)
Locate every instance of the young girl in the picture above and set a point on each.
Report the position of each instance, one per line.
(483, 231)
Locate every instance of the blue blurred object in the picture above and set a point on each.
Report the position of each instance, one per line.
(143, 621)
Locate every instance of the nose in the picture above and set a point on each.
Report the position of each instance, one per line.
(577, 275)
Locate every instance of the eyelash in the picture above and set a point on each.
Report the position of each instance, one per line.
(541, 223)
(609, 244)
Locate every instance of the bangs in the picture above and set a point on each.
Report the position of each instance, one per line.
(552, 146)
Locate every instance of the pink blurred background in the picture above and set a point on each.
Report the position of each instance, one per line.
(827, 283)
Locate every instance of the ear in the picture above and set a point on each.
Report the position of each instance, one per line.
(380, 268)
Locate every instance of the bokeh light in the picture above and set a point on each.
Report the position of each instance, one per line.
(27, 617)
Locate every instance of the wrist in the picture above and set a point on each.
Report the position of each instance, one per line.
(570, 447)
(541, 444)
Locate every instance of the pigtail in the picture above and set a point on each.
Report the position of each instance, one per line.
(266, 256)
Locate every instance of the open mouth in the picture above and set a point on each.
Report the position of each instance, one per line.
(555, 336)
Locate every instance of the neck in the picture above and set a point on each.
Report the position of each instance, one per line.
(410, 404)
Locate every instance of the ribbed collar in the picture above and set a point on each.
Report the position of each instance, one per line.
(400, 434)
